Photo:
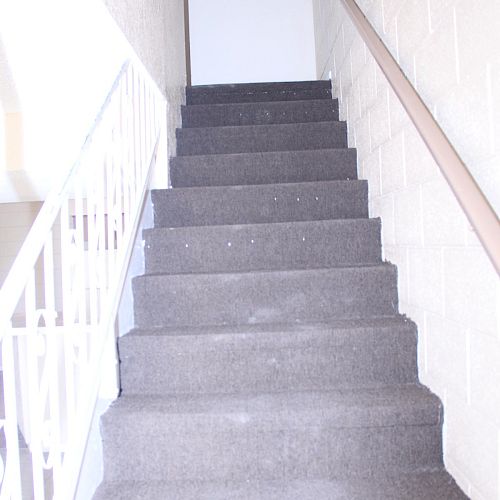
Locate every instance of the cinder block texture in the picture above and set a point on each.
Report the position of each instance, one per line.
(269, 359)
(449, 51)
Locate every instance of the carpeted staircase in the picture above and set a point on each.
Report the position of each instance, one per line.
(269, 360)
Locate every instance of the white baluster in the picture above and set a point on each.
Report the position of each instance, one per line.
(64, 364)
(11, 484)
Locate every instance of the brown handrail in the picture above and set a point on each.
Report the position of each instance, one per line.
(478, 210)
(187, 43)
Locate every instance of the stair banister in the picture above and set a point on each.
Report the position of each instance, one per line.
(478, 210)
(59, 302)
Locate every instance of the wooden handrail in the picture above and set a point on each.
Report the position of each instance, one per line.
(478, 210)
(187, 43)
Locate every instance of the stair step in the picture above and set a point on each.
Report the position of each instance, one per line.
(253, 247)
(275, 357)
(258, 92)
(303, 435)
(262, 203)
(265, 297)
(269, 360)
(260, 138)
(264, 168)
(429, 485)
(260, 113)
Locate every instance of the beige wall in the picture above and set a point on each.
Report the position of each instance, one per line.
(11, 121)
(15, 222)
(14, 141)
(155, 29)
(449, 50)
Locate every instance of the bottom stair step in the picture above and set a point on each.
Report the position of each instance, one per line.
(434, 485)
(292, 435)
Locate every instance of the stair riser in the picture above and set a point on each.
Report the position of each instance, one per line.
(248, 298)
(239, 447)
(267, 362)
(294, 137)
(300, 245)
(260, 204)
(259, 114)
(258, 87)
(219, 96)
(263, 168)
(427, 485)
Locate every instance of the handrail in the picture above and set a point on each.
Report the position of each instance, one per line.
(187, 43)
(477, 208)
(59, 303)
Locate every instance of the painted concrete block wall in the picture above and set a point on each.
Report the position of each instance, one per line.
(251, 41)
(449, 50)
(155, 29)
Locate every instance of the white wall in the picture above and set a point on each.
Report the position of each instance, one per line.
(251, 41)
(449, 50)
(63, 58)
(55, 50)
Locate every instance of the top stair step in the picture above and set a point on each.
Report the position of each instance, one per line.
(260, 113)
(258, 92)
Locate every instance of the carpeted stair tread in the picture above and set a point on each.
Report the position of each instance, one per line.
(429, 485)
(253, 358)
(360, 407)
(262, 203)
(248, 247)
(292, 435)
(258, 92)
(260, 113)
(258, 328)
(264, 168)
(260, 138)
(269, 359)
(266, 296)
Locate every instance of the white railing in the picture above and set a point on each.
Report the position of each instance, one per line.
(59, 303)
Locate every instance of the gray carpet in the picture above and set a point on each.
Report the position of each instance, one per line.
(269, 359)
